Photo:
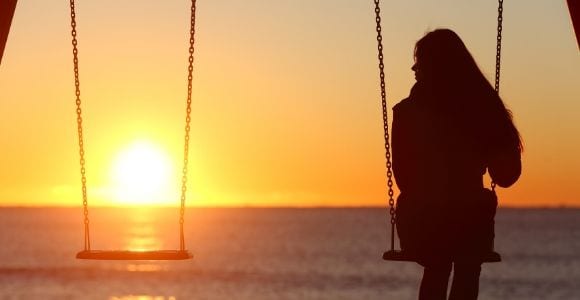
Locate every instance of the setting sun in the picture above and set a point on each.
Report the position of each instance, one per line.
(142, 175)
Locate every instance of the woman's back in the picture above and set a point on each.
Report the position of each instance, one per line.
(434, 148)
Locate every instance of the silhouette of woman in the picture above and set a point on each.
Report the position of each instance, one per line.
(451, 128)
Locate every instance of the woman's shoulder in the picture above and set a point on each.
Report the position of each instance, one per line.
(410, 102)
(404, 105)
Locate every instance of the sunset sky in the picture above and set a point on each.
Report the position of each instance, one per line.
(286, 105)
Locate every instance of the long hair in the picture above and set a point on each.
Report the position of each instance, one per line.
(449, 68)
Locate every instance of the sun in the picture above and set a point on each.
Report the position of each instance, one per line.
(142, 174)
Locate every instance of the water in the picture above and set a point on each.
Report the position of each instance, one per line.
(251, 253)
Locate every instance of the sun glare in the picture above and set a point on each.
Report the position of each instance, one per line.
(142, 175)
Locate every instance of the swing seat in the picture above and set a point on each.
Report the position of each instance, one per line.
(134, 255)
(400, 255)
(397, 255)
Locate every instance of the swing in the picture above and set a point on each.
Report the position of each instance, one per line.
(88, 253)
(401, 255)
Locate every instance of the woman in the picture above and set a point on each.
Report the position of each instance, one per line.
(451, 128)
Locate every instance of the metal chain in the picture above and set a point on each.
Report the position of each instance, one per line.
(498, 55)
(80, 128)
(498, 45)
(187, 126)
(385, 122)
(73, 24)
(384, 104)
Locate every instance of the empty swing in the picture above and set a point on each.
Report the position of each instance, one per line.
(401, 255)
(87, 252)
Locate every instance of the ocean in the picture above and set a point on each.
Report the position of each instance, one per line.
(266, 253)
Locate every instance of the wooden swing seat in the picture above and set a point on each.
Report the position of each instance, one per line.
(400, 255)
(135, 255)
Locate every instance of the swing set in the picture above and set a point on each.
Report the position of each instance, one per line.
(87, 252)
(181, 254)
(7, 9)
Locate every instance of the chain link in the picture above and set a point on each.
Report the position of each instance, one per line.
(498, 45)
(73, 24)
(498, 55)
(187, 125)
(385, 120)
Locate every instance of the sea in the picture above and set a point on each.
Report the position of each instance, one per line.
(266, 253)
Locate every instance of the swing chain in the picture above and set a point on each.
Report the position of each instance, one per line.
(187, 125)
(498, 45)
(498, 55)
(73, 24)
(80, 127)
(385, 120)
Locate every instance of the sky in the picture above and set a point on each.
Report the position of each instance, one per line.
(286, 104)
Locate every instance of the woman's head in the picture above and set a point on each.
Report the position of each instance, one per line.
(443, 63)
(441, 56)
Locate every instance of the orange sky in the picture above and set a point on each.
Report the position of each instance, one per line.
(286, 106)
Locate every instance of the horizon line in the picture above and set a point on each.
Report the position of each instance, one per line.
(560, 206)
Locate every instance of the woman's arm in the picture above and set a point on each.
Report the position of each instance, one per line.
(403, 164)
(505, 166)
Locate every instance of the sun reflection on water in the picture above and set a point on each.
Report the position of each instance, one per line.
(142, 235)
(143, 243)
(144, 267)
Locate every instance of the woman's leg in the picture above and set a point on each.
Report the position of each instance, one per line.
(465, 284)
(434, 282)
